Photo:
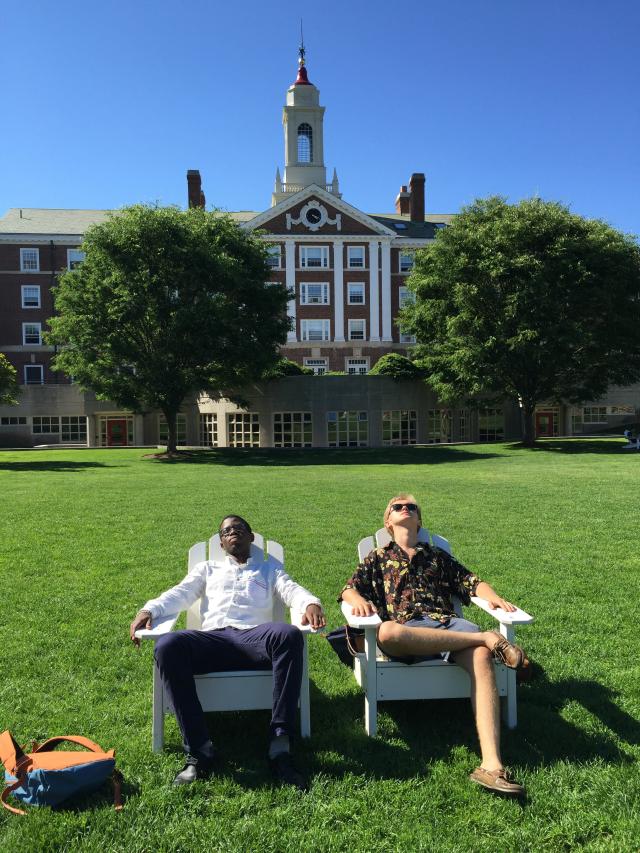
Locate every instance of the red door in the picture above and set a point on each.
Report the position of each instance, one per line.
(544, 424)
(117, 432)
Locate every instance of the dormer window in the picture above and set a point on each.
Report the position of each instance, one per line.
(305, 143)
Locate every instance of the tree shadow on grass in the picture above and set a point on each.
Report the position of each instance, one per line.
(576, 446)
(64, 465)
(268, 457)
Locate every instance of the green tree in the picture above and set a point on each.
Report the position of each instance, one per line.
(526, 301)
(167, 303)
(8, 382)
(286, 367)
(397, 366)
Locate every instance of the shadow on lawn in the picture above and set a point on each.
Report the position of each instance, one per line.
(575, 446)
(237, 457)
(64, 465)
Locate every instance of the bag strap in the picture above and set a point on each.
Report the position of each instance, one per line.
(5, 795)
(52, 742)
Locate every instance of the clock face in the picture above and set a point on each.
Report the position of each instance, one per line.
(313, 215)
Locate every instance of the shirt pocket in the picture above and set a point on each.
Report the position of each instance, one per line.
(257, 589)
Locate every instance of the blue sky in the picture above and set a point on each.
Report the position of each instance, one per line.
(106, 104)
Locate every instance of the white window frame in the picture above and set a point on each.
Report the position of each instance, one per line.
(353, 263)
(208, 430)
(324, 258)
(52, 421)
(304, 292)
(274, 254)
(25, 265)
(361, 284)
(72, 429)
(353, 362)
(72, 261)
(352, 434)
(23, 291)
(24, 335)
(350, 324)
(243, 429)
(304, 330)
(28, 367)
(405, 266)
(318, 365)
(13, 420)
(594, 415)
(181, 430)
(400, 427)
(295, 429)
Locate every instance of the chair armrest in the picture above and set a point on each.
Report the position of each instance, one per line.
(359, 621)
(160, 627)
(296, 619)
(517, 617)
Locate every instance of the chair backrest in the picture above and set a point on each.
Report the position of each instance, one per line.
(383, 538)
(198, 553)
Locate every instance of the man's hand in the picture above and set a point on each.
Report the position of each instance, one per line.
(142, 620)
(363, 608)
(314, 616)
(495, 601)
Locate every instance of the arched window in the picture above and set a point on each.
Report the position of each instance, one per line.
(305, 143)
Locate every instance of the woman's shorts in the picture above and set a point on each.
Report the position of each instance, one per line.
(455, 623)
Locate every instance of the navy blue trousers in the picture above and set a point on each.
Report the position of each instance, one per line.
(182, 654)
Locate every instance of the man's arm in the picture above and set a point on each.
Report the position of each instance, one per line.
(359, 589)
(142, 620)
(486, 592)
(174, 600)
(298, 598)
(361, 606)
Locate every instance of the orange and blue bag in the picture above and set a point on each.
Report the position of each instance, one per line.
(47, 776)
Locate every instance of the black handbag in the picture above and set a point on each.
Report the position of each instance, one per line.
(346, 642)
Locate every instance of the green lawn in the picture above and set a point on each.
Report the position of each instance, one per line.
(87, 536)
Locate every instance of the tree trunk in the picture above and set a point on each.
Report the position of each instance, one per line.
(172, 441)
(528, 426)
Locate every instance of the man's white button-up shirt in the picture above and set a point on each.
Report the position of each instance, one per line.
(237, 595)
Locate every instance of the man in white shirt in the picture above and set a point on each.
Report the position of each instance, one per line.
(237, 633)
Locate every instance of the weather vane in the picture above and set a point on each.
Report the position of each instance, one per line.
(301, 49)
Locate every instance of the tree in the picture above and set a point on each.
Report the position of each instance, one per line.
(527, 301)
(397, 366)
(286, 367)
(8, 382)
(167, 303)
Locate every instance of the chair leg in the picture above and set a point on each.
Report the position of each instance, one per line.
(305, 704)
(371, 684)
(157, 723)
(510, 701)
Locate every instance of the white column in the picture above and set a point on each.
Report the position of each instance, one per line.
(338, 292)
(374, 297)
(290, 281)
(386, 292)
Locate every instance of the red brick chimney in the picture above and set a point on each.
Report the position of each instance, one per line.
(194, 188)
(416, 200)
(403, 200)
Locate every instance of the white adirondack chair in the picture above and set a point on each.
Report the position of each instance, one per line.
(385, 680)
(244, 690)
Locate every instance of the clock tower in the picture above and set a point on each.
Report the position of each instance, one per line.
(302, 118)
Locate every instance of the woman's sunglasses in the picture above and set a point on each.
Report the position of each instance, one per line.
(410, 507)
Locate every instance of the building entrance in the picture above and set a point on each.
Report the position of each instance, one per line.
(117, 432)
(546, 424)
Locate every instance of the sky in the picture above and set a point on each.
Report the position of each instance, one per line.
(110, 103)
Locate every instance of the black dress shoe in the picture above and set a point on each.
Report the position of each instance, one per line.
(283, 771)
(195, 768)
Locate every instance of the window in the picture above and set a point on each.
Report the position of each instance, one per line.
(490, 425)
(318, 365)
(399, 427)
(594, 414)
(30, 260)
(357, 330)
(31, 296)
(181, 430)
(406, 261)
(74, 258)
(243, 429)
(314, 257)
(355, 257)
(355, 291)
(292, 429)
(13, 421)
(407, 339)
(314, 294)
(438, 425)
(463, 425)
(405, 297)
(45, 425)
(347, 429)
(73, 428)
(32, 334)
(305, 143)
(33, 374)
(273, 257)
(208, 430)
(116, 430)
(314, 330)
(621, 410)
(576, 421)
(356, 366)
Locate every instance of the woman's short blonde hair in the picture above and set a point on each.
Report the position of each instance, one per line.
(401, 498)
